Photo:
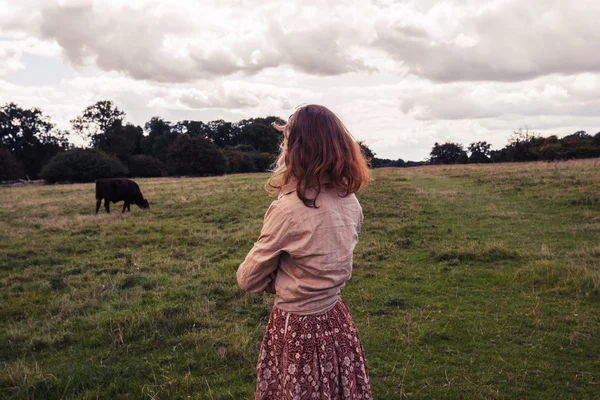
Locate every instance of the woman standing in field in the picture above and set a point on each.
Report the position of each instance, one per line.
(311, 349)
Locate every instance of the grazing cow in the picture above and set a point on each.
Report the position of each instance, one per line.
(117, 189)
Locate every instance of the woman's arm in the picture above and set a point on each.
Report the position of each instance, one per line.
(257, 273)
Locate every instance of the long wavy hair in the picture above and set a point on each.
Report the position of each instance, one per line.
(318, 151)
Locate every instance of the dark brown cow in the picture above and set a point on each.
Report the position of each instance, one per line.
(119, 189)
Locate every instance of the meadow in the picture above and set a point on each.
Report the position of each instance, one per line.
(470, 282)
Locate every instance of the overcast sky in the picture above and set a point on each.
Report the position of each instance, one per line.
(401, 74)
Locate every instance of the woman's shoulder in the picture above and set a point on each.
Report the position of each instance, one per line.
(289, 202)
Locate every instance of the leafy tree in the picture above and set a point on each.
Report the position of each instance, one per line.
(579, 145)
(480, 152)
(160, 135)
(192, 128)
(195, 156)
(10, 167)
(522, 146)
(30, 136)
(223, 133)
(578, 136)
(448, 153)
(103, 123)
(82, 165)
(96, 120)
(260, 134)
(367, 152)
(121, 141)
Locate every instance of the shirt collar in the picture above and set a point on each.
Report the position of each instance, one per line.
(287, 189)
(291, 187)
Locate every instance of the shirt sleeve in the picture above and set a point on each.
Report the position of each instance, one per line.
(360, 220)
(257, 273)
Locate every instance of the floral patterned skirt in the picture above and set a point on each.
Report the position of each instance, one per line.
(312, 357)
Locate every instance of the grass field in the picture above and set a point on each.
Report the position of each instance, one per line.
(470, 282)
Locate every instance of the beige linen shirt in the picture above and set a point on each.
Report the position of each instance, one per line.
(306, 252)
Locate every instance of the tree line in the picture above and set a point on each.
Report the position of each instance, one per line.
(31, 147)
(522, 146)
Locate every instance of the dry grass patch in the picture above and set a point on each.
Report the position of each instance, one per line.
(584, 266)
(473, 252)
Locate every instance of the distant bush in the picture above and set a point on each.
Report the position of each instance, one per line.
(448, 153)
(242, 162)
(385, 162)
(264, 161)
(145, 166)
(10, 167)
(195, 156)
(550, 151)
(82, 165)
(239, 162)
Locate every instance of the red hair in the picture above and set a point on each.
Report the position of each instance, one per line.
(318, 150)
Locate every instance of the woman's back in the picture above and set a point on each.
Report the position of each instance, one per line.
(318, 260)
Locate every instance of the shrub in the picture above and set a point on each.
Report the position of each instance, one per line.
(82, 165)
(550, 151)
(239, 162)
(448, 153)
(10, 167)
(264, 161)
(195, 156)
(386, 162)
(145, 166)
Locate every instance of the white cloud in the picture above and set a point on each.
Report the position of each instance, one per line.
(550, 95)
(149, 41)
(497, 40)
(12, 48)
(10, 60)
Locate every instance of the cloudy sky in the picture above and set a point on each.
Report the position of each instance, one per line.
(401, 74)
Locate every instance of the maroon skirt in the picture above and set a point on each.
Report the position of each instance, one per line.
(312, 357)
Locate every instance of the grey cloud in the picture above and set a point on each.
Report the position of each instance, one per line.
(134, 42)
(511, 41)
(9, 60)
(559, 125)
(218, 99)
(117, 42)
(318, 51)
(543, 96)
(437, 40)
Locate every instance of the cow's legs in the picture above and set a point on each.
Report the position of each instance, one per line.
(125, 205)
(107, 205)
(98, 202)
(128, 207)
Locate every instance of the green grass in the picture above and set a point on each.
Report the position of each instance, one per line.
(469, 282)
